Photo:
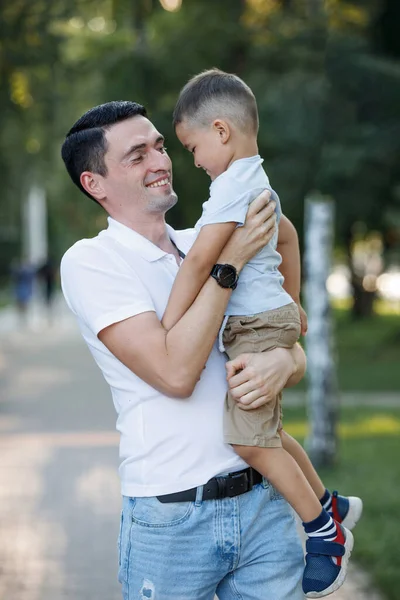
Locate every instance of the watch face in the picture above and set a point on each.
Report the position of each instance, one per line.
(227, 276)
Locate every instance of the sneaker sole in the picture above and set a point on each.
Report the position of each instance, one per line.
(339, 581)
(354, 514)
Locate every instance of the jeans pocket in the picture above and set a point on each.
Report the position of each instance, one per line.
(119, 543)
(150, 512)
(273, 492)
(124, 539)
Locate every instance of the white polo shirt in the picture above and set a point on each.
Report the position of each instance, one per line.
(167, 444)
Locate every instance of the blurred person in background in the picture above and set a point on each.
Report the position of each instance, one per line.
(196, 519)
(47, 276)
(23, 277)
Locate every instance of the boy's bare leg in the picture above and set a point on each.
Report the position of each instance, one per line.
(301, 457)
(282, 470)
(329, 545)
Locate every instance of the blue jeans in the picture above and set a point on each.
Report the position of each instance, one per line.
(243, 548)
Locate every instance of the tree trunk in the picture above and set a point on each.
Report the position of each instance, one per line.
(322, 401)
(363, 301)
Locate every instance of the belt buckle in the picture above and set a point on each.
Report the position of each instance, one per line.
(248, 476)
(241, 483)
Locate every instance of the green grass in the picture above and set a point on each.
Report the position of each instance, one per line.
(367, 352)
(368, 466)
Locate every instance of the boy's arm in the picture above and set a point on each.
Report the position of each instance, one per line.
(288, 248)
(172, 361)
(195, 270)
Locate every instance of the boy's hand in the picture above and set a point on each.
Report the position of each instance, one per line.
(303, 319)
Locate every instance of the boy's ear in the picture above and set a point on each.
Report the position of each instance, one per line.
(223, 130)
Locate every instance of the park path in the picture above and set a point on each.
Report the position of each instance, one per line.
(59, 491)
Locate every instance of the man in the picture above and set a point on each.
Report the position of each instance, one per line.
(196, 520)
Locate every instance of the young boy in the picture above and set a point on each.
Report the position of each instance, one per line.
(216, 119)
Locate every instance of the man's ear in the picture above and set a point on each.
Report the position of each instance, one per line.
(223, 130)
(91, 183)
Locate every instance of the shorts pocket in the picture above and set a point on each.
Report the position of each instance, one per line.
(238, 326)
(150, 512)
(288, 334)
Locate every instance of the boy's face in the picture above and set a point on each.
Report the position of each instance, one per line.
(209, 152)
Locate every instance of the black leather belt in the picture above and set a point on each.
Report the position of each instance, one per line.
(216, 488)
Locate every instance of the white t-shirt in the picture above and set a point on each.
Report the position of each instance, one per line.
(167, 445)
(260, 283)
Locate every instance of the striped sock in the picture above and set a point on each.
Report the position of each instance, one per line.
(323, 527)
(326, 501)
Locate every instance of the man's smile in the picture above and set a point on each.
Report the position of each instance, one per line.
(165, 180)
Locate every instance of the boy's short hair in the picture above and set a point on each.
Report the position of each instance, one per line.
(215, 94)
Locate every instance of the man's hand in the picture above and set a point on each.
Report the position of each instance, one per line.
(255, 379)
(257, 231)
(303, 319)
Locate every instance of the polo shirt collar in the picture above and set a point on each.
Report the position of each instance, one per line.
(135, 241)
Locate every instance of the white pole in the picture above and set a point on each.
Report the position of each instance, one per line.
(35, 226)
(322, 404)
(35, 246)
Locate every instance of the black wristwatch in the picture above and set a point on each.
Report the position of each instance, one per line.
(225, 275)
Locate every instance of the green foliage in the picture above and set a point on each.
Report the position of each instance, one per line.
(327, 84)
(367, 353)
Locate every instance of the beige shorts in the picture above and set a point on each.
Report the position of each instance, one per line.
(279, 328)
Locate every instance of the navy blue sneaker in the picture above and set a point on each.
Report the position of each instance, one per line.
(326, 563)
(346, 510)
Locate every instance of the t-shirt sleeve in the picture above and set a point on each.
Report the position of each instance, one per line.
(229, 202)
(100, 288)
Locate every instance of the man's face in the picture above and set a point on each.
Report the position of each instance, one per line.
(205, 145)
(139, 170)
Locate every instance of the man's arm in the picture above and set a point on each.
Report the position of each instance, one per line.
(288, 248)
(172, 361)
(195, 270)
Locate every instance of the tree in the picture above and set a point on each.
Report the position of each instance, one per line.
(327, 85)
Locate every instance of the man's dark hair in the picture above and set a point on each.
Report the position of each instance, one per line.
(215, 94)
(85, 144)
